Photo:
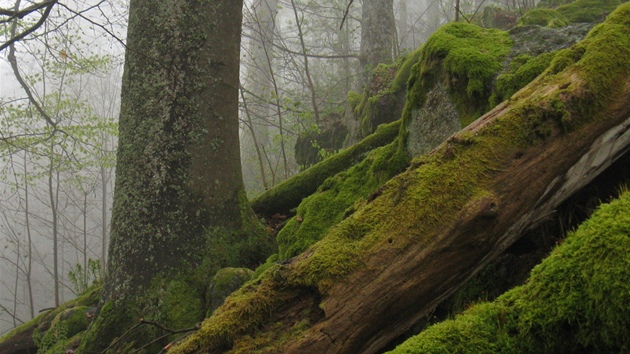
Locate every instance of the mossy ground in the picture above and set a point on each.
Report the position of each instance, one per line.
(575, 300)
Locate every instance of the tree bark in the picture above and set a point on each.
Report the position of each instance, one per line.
(178, 168)
(378, 28)
(178, 175)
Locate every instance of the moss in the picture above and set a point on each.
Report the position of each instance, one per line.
(57, 325)
(543, 17)
(466, 58)
(383, 97)
(523, 70)
(64, 326)
(573, 301)
(331, 203)
(242, 313)
(24, 327)
(354, 99)
(180, 302)
(587, 10)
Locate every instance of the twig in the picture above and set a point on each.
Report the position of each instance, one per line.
(48, 6)
(185, 330)
(123, 335)
(345, 14)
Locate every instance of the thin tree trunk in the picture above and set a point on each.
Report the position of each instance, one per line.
(250, 125)
(27, 220)
(307, 72)
(53, 210)
(278, 105)
(104, 182)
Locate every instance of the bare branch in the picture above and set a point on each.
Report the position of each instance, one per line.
(47, 6)
(13, 14)
(345, 14)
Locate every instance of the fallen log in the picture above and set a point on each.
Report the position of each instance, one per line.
(436, 225)
(288, 194)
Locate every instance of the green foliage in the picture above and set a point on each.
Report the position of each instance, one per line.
(82, 279)
(573, 302)
(466, 58)
(543, 17)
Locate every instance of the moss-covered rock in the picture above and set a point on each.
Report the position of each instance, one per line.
(532, 53)
(382, 101)
(55, 331)
(587, 10)
(464, 59)
(543, 17)
(573, 302)
(225, 282)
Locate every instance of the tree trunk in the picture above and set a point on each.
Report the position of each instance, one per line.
(178, 177)
(378, 28)
(431, 228)
(178, 168)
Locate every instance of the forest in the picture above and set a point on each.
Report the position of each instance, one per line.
(314, 176)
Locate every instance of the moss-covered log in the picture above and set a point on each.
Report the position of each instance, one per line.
(288, 194)
(560, 308)
(434, 226)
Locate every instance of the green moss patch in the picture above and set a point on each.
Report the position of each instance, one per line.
(335, 199)
(575, 301)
